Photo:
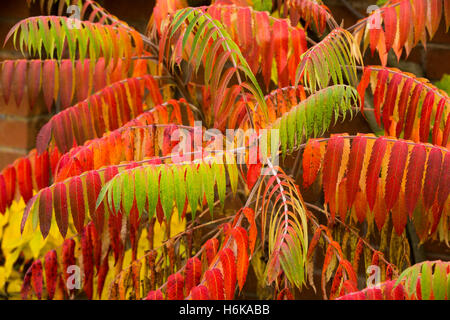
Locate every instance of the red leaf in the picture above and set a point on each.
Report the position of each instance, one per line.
(374, 37)
(437, 120)
(404, 24)
(93, 186)
(175, 284)
(24, 179)
(253, 173)
(314, 241)
(26, 285)
(3, 196)
(211, 247)
(9, 173)
(390, 25)
(280, 43)
(355, 164)
(402, 103)
(336, 283)
(34, 81)
(420, 14)
(432, 177)
(193, 272)
(425, 117)
(311, 162)
(88, 263)
(411, 114)
(28, 208)
(253, 231)
(375, 258)
(51, 272)
(298, 42)
(362, 86)
(332, 162)
(96, 244)
(264, 39)
(68, 257)
(446, 134)
(102, 272)
(42, 170)
(82, 79)
(154, 295)
(19, 80)
(434, 16)
(328, 256)
(227, 260)
(241, 240)
(399, 216)
(200, 293)
(341, 197)
(61, 209)
(414, 177)
(389, 104)
(214, 282)
(43, 138)
(65, 83)
(358, 252)
(48, 85)
(244, 28)
(444, 181)
(360, 206)
(378, 95)
(379, 210)
(285, 294)
(114, 227)
(373, 170)
(45, 211)
(396, 168)
(374, 294)
(77, 207)
(36, 278)
(7, 76)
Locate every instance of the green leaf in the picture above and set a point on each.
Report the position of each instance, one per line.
(194, 187)
(140, 186)
(221, 180)
(152, 191)
(439, 282)
(208, 185)
(166, 191)
(180, 188)
(127, 192)
(117, 192)
(425, 281)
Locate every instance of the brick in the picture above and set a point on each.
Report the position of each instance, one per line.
(437, 63)
(19, 133)
(9, 156)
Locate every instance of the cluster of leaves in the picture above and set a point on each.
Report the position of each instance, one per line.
(401, 25)
(111, 191)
